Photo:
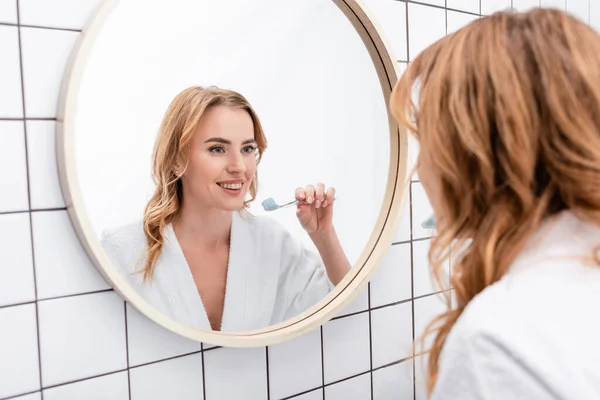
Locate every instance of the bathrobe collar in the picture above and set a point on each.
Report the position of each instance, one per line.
(239, 287)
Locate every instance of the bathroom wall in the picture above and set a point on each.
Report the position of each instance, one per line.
(64, 334)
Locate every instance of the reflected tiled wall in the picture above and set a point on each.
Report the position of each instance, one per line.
(64, 334)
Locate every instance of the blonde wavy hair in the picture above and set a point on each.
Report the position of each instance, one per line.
(172, 147)
(507, 115)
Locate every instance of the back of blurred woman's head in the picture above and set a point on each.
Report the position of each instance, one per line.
(507, 115)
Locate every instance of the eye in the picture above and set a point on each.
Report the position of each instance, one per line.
(217, 149)
(249, 149)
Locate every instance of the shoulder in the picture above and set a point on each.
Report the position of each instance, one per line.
(126, 244)
(124, 235)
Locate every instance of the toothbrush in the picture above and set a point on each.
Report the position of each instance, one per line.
(271, 205)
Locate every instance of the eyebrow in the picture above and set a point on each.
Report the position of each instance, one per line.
(225, 141)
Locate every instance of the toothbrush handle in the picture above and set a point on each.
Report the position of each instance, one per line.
(295, 202)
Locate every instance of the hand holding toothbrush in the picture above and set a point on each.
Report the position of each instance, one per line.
(315, 212)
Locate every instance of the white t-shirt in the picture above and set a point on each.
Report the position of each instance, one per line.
(535, 334)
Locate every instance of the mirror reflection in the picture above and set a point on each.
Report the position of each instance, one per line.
(229, 155)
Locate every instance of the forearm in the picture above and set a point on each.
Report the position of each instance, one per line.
(332, 254)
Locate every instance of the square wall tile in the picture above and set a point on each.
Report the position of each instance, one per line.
(471, 6)
(358, 388)
(457, 20)
(19, 363)
(525, 5)
(402, 233)
(391, 17)
(113, 387)
(13, 165)
(246, 367)
(149, 342)
(346, 347)
(43, 171)
(81, 337)
(61, 264)
(179, 378)
(66, 14)
(491, 6)
(413, 156)
(426, 25)
(425, 310)
(391, 282)
(16, 262)
(295, 365)
(423, 282)
(595, 15)
(560, 4)
(395, 382)
(391, 334)
(11, 100)
(421, 211)
(579, 9)
(420, 378)
(8, 11)
(45, 56)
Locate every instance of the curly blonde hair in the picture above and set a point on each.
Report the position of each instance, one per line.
(507, 115)
(172, 146)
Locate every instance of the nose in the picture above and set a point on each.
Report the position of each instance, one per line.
(236, 164)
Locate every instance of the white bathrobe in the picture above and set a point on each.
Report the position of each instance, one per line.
(271, 276)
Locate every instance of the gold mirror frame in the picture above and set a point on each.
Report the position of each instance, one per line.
(376, 247)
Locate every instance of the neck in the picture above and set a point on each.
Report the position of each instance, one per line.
(208, 227)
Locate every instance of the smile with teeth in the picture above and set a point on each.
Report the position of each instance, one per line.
(231, 186)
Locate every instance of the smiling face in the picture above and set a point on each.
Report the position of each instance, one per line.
(222, 160)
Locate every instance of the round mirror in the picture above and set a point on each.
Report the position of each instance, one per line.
(230, 166)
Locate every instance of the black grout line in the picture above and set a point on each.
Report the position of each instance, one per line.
(322, 363)
(34, 210)
(127, 349)
(191, 353)
(76, 295)
(294, 396)
(85, 379)
(349, 315)
(33, 263)
(203, 374)
(446, 14)
(22, 394)
(370, 338)
(268, 383)
(409, 358)
(412, 291)
(348, 378)
(37, 26)
(17, 304)
(26, 119)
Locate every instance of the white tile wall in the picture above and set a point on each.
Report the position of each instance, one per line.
(13, 168)
(179, 378)
(44, 185)
(357, 388)
(11, 97)
(524, 5)
(8, 11)
(91, 344)
(560, 4)
(16, 262)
